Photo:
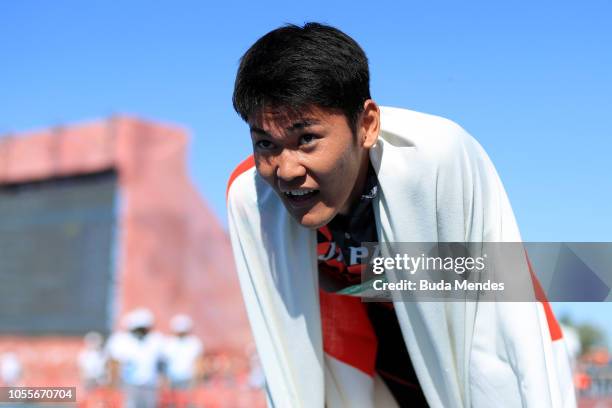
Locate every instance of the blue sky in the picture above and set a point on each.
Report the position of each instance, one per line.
(532, 81)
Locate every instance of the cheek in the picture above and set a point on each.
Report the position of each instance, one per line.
(265, 169)
(338, 176)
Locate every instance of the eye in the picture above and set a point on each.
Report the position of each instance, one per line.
(264, 145)
(307, 138)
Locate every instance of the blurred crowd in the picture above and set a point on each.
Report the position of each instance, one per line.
(592, 370)
(140, 367)
(593, 374)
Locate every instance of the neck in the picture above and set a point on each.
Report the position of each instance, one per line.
(357, 191)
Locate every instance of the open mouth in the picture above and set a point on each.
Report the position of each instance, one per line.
(300, 196)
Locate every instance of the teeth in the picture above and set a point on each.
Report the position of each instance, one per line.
(298, 192)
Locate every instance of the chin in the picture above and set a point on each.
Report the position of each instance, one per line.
(315, 221)
(312, 225)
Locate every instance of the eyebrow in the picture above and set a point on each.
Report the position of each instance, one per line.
(302, 124)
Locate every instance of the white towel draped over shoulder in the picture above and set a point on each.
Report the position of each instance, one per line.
(436, 185)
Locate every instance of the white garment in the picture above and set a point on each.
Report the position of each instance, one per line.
(437, 185)
(139, 358)
(181, 355)
(256, 375)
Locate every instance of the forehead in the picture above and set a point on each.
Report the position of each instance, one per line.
(286, 119)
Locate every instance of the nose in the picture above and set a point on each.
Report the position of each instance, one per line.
(288, 166)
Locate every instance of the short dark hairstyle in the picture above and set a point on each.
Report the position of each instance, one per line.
(296, 67)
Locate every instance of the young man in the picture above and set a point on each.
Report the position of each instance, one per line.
(332, 170)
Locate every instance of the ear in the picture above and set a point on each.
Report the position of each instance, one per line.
(369, 124)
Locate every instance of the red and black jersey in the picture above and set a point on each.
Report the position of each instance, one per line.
(342, 256)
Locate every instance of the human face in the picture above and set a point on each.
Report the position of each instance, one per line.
(311, 159)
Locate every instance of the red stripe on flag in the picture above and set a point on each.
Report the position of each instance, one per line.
(348, 335)
(245, 165)
(553, 325)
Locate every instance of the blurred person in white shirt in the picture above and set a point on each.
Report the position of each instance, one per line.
(183, 354)
(136, 359)
(183, 360)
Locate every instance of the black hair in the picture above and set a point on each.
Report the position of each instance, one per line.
(296, 67)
